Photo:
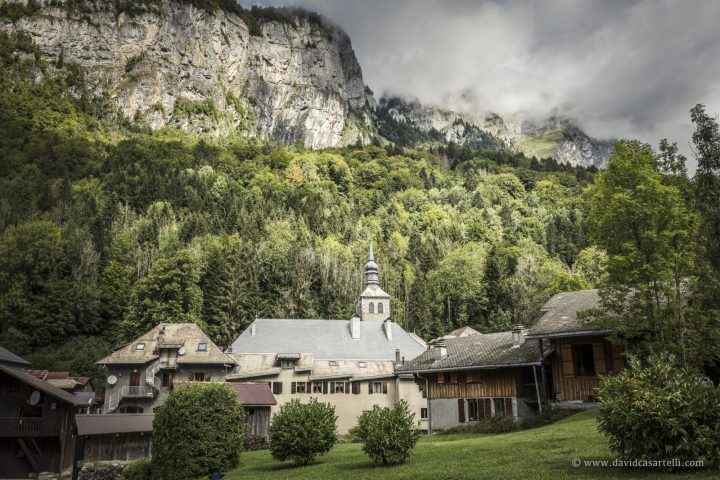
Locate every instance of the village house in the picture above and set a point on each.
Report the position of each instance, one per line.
(143, 371)
(36, 421)
(471, 376)
(579, 351)
(347, 363)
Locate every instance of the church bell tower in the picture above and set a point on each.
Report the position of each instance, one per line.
(373, 303)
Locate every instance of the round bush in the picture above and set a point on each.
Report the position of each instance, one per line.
(302, 431)
(199, 429)
(389, 434)
(660, 411)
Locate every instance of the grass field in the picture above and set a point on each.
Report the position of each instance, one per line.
(542, 453)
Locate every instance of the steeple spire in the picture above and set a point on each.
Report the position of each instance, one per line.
(372, 277)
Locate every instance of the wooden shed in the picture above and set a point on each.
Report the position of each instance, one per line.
(256, 399)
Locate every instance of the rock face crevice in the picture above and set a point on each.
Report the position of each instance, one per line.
(204, 72)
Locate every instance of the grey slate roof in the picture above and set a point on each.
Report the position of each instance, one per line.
(326, 339)
(490, 350)
(9, 358)
(560, 315)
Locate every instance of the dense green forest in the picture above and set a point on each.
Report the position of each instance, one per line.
(107, 227)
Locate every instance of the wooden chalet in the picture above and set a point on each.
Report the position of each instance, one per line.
(469, 378)
(256, 399)
(579, 352)
(36, 422)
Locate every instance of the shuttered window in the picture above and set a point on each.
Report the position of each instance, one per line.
(568, 368)
(277, 388)
(599, 354)
(356, 388)
(461, 410)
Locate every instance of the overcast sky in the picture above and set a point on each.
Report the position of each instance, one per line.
(620, 68)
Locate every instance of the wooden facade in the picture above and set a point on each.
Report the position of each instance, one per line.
(35, 436)
(480, 383)
(576, 363)
(117, 446)
(258, 424)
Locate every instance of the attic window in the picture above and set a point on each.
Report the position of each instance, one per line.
(362, 364)
(332, 363)
(202, 347)
(140, 346)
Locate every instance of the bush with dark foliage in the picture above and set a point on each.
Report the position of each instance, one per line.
(302, 431)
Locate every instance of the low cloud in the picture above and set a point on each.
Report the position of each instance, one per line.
(621, 69)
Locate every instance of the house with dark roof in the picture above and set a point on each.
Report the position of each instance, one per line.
(468, 378)
(579, 351)
(143, 371)
(473, 377)
(348, 363)
(36, 422)
(257, 399)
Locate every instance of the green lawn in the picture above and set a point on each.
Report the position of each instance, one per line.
(542, 453)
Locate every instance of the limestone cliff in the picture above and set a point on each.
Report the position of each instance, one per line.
(167, 62)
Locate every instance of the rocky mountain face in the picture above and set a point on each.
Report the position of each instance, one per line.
(408, 122)
(168, 62)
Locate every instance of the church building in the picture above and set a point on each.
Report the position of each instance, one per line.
(348, 363)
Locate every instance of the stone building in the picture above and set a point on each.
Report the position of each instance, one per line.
(348, 363)
(143, 371)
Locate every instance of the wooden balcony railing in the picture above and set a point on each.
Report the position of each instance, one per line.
(27, 427)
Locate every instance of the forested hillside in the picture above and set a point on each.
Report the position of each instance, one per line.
(108, 227)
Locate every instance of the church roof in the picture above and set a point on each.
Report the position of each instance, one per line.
(326, 339)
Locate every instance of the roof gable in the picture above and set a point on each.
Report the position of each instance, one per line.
(9, 358)
(30, 379)
(253, 394)
(560, 315)
(169, 335)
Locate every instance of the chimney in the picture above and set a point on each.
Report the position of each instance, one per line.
(439, 350)
(252, 329)
(355, 327)
(388, 328)
(518, 335)
(397, 356)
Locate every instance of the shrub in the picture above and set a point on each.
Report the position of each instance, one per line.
(199, 429)
(501, 423)
(548, 416)
(389, 434)
(138, 470)
(660, 411)
(301, 431)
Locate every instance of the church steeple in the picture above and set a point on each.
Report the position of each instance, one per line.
(372, 276)
(373, 303)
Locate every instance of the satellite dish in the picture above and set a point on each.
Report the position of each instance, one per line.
(112, 380)
(181, 351)
(34, 398)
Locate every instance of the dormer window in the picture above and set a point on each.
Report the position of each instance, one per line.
(287, 363)
(202, 347)
(362, 364)
(140, 346)
(332, 363)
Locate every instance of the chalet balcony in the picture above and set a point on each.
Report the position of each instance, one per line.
(141, 391)
(28, 427)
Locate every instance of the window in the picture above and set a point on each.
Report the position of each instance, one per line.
(167, 379)
(356, 388)
(202, 347)
(131, 409)
(380, 307)
(332, 363)
(299, 387)
(423, 414)
(140, 346)
(276, 388)
(377, 387)
(319, 387)
(371, 308)
(503, 406)
(447, 378)
(200, 377)
(584, 359)
(287, 364)
(362, 364)
(478, 408)
(339, 387)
